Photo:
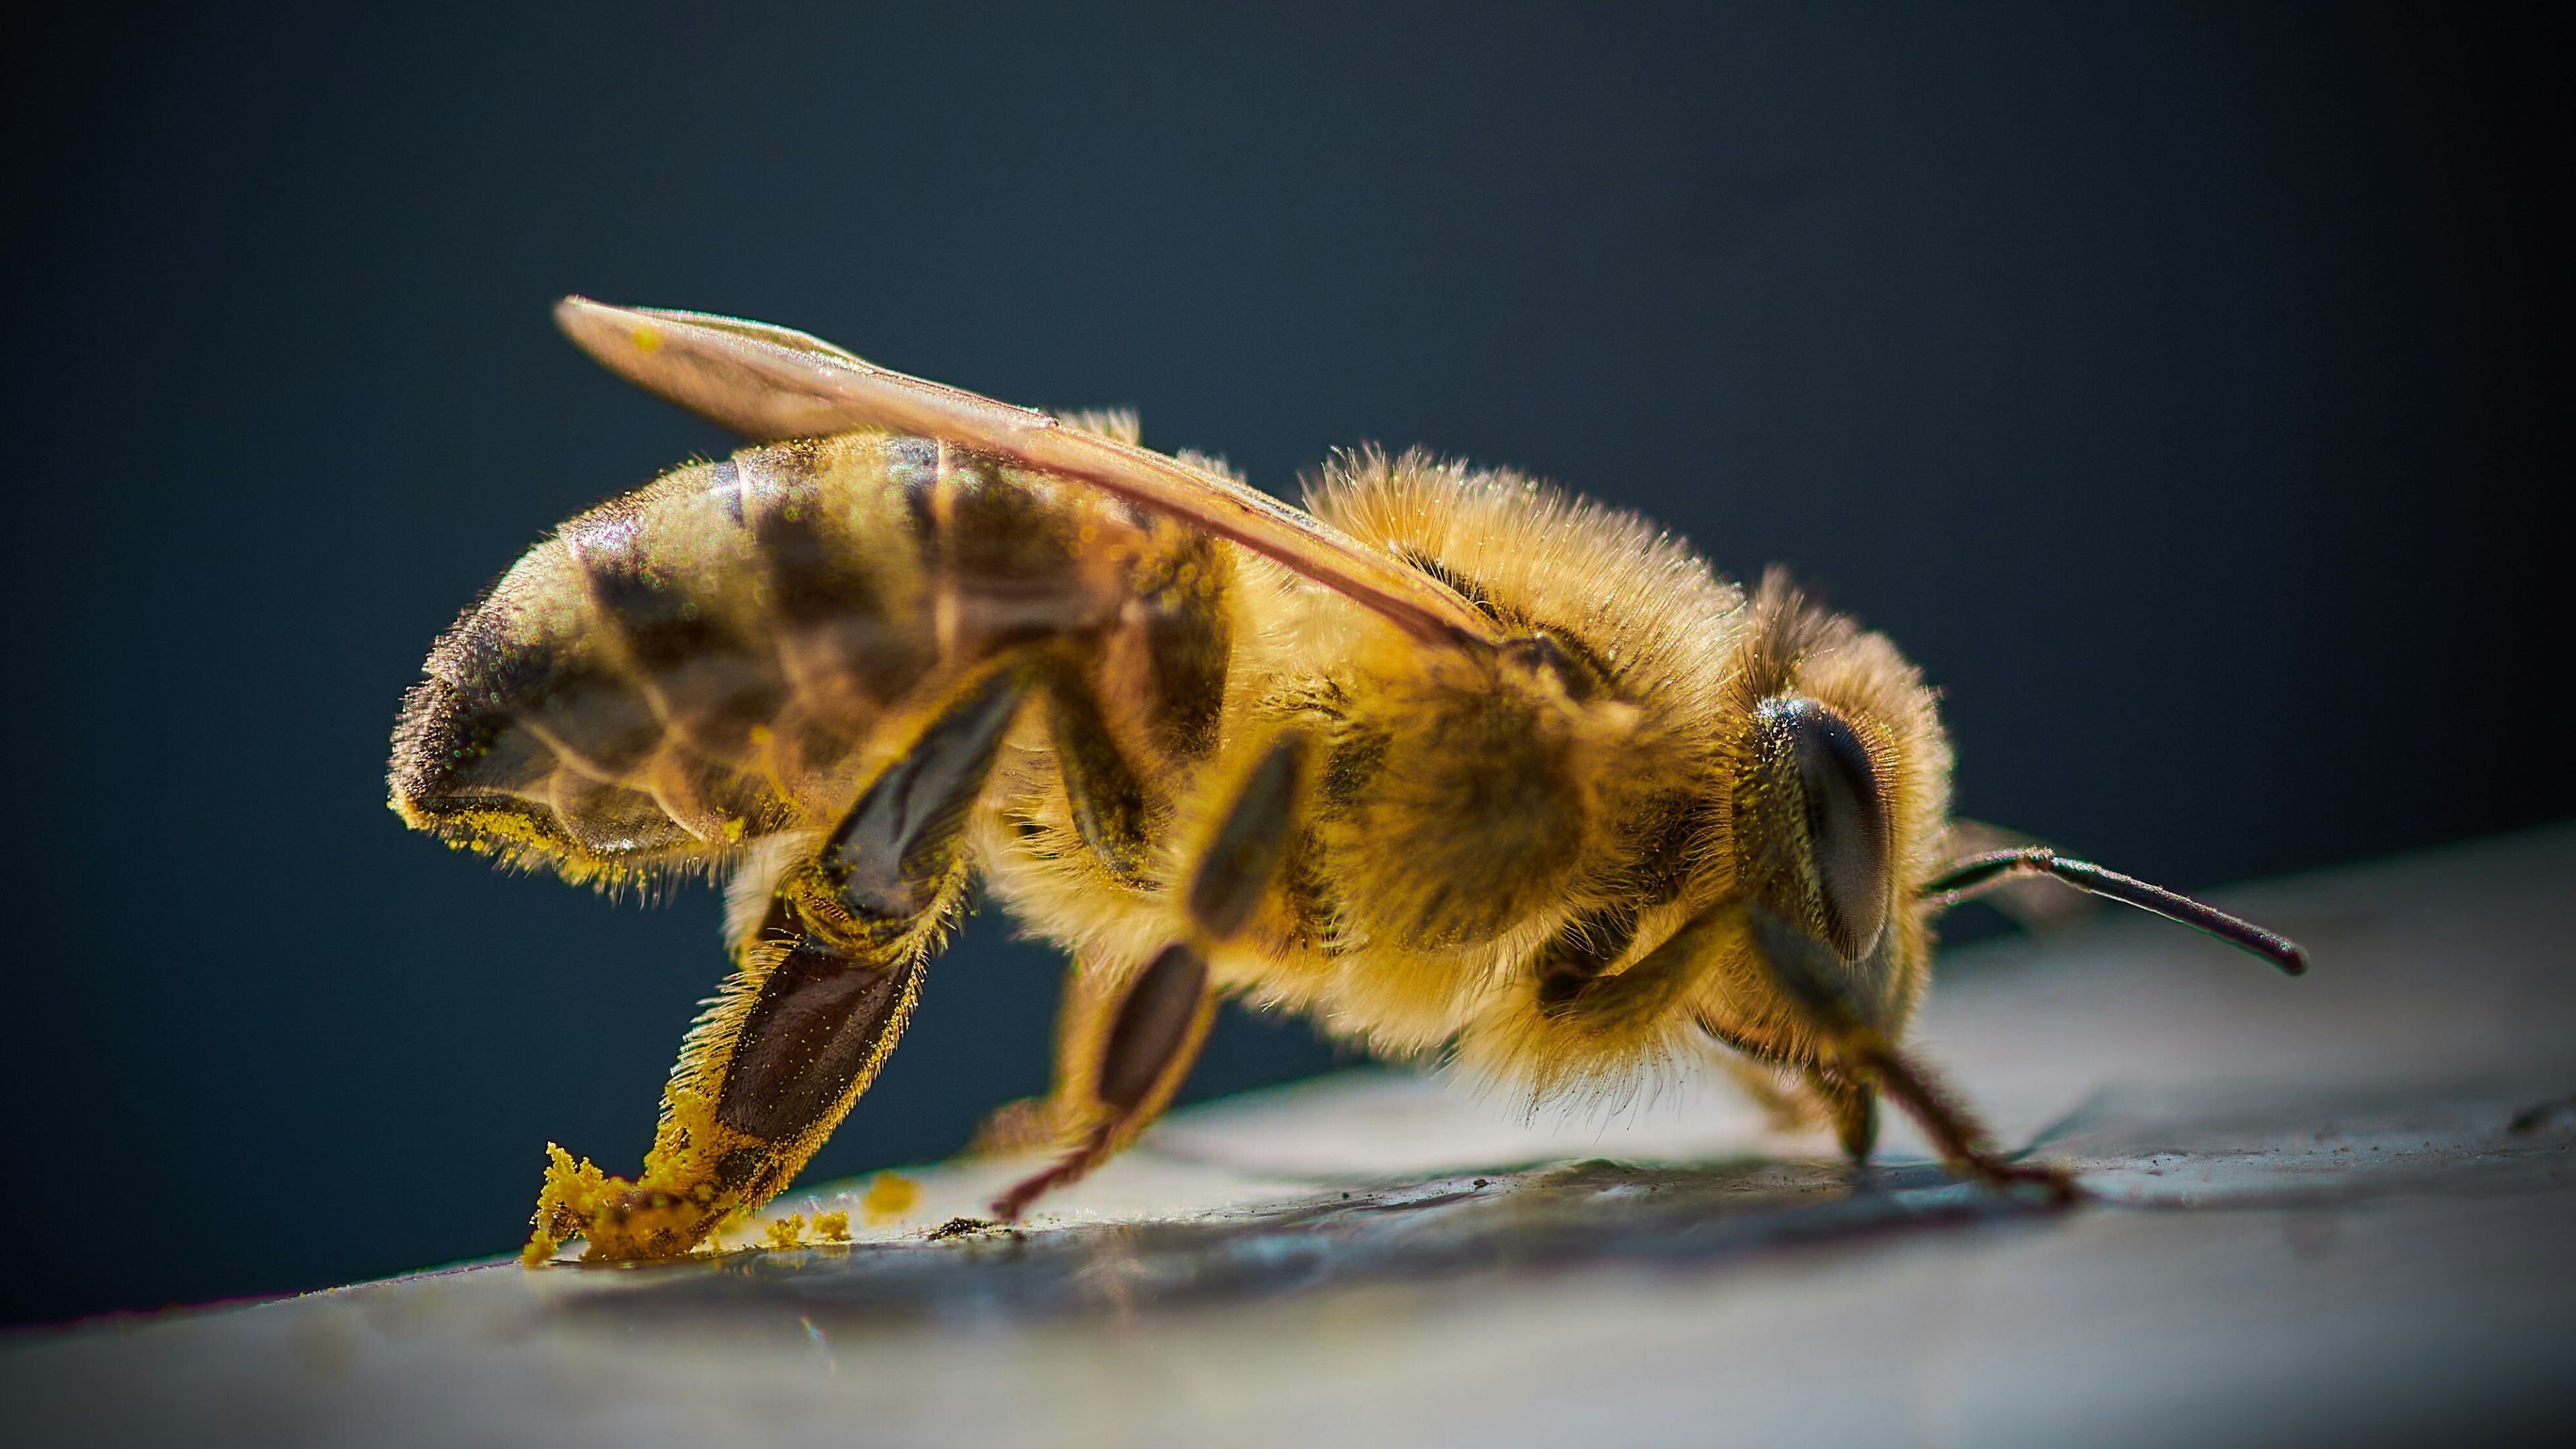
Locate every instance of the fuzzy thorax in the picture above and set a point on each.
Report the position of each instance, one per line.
(1488, 801)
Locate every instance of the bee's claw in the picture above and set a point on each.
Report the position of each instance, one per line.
(2058, 1182)
(1069, 1169)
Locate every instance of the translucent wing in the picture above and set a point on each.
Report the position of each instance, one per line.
(768, 382)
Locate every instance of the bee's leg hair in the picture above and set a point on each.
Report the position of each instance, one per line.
(823, 990)
(1816, 1097)
(1573, 960)
(1787, 1106)
(1138, 1054)
(1863, 1056)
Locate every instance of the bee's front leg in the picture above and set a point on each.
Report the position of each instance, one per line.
(1850, 1104)
(823, 990)
(1127, 1062)
(1956, 1134)
(1858, 1061)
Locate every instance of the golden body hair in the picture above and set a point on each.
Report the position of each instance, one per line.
(1457, 764)
(1472, 812)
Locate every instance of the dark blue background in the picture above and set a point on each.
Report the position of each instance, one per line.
(2172, 383)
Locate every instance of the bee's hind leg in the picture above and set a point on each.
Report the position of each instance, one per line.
(822, 992)
(1128, 1050)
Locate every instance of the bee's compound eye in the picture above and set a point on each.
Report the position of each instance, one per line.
(1847, 833)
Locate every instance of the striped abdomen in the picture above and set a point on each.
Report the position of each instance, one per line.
(702, 661)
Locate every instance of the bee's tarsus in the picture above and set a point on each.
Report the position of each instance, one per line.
(1966, 879)
(1161, 1021)
(1955, 1132)
(1067, 1170)
(1851, 1105)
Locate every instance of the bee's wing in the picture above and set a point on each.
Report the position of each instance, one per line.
(768, 382)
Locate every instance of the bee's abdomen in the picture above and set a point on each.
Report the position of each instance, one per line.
(701, 662)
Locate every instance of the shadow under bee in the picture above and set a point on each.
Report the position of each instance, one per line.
(1542, 1221)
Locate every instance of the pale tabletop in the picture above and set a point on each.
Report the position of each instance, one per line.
(2336, 1209)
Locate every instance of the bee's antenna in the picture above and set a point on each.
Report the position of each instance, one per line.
(1974, 876)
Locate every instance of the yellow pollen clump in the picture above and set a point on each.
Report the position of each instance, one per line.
(787, 1232)
(832, 1227)
(571, 1194)
(890, 1196)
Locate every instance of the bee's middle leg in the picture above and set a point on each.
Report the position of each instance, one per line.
(823, 990)
(1123, 1052)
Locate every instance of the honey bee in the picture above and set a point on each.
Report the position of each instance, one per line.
(1453, 762)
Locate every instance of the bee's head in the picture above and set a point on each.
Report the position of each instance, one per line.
(1840, 785)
